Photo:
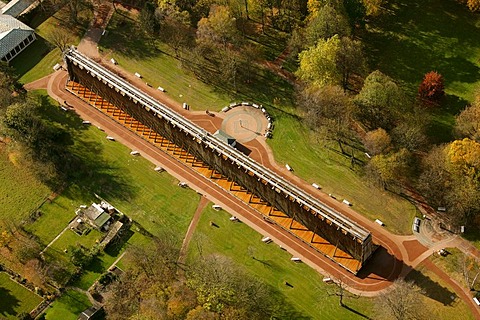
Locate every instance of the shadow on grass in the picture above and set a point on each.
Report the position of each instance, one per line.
(356, 312)
(119, 39)
(31, 56)
(80, 161)
(432, 289)
(113, 249)
(409, 41)
(8, 303)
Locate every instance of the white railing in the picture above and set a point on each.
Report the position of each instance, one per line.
(241, 160)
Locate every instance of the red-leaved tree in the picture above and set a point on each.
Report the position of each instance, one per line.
(432, 89)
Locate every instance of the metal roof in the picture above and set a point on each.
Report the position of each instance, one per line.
(15, 7)
(12, 33)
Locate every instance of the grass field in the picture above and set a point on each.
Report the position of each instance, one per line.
(437, 297)
(153, 200)
(20, 190)
(292, 142)
(413, 38)
(14, 298)
(68, 306)
(308, 299)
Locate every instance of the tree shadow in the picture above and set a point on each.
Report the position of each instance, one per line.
(31, 56)
(408, 41)
(432, 289)
(119, 39)
(356, 312)
(8, 303)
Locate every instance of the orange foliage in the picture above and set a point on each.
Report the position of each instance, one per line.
(432, 89)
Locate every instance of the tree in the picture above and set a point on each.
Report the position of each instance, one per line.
(329, 112)
(60, 38)
(473, 5)
(409, 136)
(325, 23)
(377, 141)
(389, 170)
(450, 178)
(318, 64)
(402, 302)
(174, 26)
(380, 102)
(331, 62)
(218, 28)
(432, 89)
(373, 7)
(147, 19)
(350, 60)
(468, 121)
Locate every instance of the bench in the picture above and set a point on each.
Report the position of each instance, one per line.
(216, 207)
(379, 222)
(345, 201)
(266, 240)
(295, 259)
(288, 167)
(316, 186)
(138, 75)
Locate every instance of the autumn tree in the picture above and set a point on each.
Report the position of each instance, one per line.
(473, 5)
(373, 7)
(318, 63)
(174, 26)
(324, 23)
(389, 170)
(380, 102)
(331, 62)
(402, 302)
(329, 112)
(218, 28)
(432, 88)
(377, 141)
(450, 178)
(468, 121)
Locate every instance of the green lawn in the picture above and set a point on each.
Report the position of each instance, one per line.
(437, 297)
(412, 38)
(308, 299)
(20, 191)
(68, 306)
(292, 142)
(153, 200)
(14, 298)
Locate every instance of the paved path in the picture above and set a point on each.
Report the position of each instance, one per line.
(191, 229)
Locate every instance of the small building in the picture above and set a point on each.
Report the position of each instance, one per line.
(15, 36)
(91, 313)
(224, 137)
(96, 216)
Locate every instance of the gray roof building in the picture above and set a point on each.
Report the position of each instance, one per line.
(15, 7)
(15, 36)
(225, 137)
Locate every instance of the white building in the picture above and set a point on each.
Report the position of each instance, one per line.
(15, 36)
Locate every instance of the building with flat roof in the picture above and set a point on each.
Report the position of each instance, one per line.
(15, 36)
